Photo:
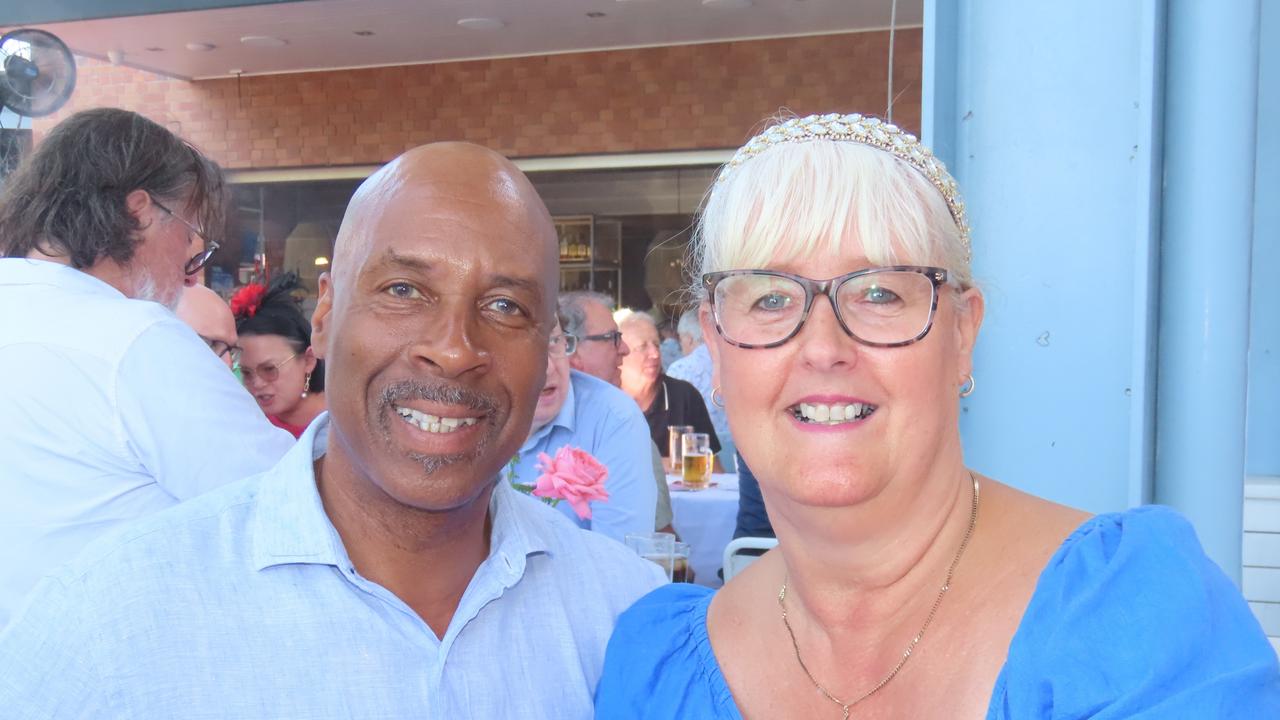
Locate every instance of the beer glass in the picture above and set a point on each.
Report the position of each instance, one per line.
(680, 565)
(655, 547)
(674, 447)
(696, 460)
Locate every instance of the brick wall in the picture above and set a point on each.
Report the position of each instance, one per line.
(668, 98)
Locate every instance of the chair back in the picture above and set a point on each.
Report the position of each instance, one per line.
(735, 560)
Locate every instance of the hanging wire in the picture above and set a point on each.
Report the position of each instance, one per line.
(893, 22)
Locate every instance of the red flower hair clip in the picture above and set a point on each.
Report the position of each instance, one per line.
(247, 300)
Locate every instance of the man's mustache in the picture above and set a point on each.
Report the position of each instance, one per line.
(444, 393)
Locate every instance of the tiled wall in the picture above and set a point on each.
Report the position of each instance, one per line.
(667, 98)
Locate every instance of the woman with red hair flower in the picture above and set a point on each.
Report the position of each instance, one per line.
(277, 364)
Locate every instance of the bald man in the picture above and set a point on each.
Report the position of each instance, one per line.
(211, 318)
(383, 568)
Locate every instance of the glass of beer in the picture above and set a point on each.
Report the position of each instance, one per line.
(680, 571)
(674, 446)
(658, 548)
(696, 460)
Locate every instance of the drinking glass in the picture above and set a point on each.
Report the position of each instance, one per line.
(655, 547)
(674, 446)
(680, 571)
(696, 460)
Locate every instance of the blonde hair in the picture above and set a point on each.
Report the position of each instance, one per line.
(795, 200)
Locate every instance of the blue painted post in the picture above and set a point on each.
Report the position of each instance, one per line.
(1049, 116)
(1262, 444)
(1211, 114)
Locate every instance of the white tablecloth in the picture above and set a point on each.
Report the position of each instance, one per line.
(705, 519)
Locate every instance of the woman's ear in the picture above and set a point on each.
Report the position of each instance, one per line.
(969, 313)
(709, 335)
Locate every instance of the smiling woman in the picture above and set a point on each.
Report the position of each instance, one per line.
(841, 317)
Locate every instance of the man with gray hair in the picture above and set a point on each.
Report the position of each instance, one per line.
(589, 317)
(112, 408)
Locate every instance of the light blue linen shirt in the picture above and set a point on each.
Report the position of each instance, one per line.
(695, 369)
(604, 421)
(243, 603)
(110, 409)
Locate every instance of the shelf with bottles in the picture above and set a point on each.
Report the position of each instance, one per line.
(587, 241)
(590, 254)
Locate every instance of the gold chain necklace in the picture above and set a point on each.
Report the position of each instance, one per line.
(906, 655)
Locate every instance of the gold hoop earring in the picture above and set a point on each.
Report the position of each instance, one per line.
(717, 399)
(966, 389)
(306, 384)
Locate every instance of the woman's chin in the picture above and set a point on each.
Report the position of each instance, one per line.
(832, 487)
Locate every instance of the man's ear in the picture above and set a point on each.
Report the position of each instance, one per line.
(136, 203)
(320, 318)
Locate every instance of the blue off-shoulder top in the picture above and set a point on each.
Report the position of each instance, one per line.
(1129, 619)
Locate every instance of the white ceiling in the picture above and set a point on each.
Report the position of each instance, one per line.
(321, 33)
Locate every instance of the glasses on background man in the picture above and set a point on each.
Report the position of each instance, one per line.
(200, 259)
(880, 306)
(224, 349)
(562, 345)
(613, 336)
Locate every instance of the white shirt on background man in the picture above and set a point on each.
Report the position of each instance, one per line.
(110, 409)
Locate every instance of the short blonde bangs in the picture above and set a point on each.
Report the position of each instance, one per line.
(797, 200)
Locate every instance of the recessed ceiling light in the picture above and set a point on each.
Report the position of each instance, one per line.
(200, 46)
(154, 49)
(727, 4)
(595, 15)
(480, 23)
(235, 71)
(263, 41)
(364, 33)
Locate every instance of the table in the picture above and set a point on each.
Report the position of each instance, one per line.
(705, 519)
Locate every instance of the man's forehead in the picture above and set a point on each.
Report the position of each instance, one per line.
(441, 195)
(599, 315)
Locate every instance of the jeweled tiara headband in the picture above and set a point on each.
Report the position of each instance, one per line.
(867, 131)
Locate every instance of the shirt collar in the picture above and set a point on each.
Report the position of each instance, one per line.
(566, 418)
(517, 532)
(27, 271)
(290, 525)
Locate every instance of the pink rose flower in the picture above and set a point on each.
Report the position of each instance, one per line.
(574, 476)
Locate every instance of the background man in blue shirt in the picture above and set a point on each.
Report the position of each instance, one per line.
(582, 411)
(382, 569)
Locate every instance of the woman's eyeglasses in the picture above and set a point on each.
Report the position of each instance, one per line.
(267, 372)
(200, 259)
(612, 336)
(562, 345)
(880, 306)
